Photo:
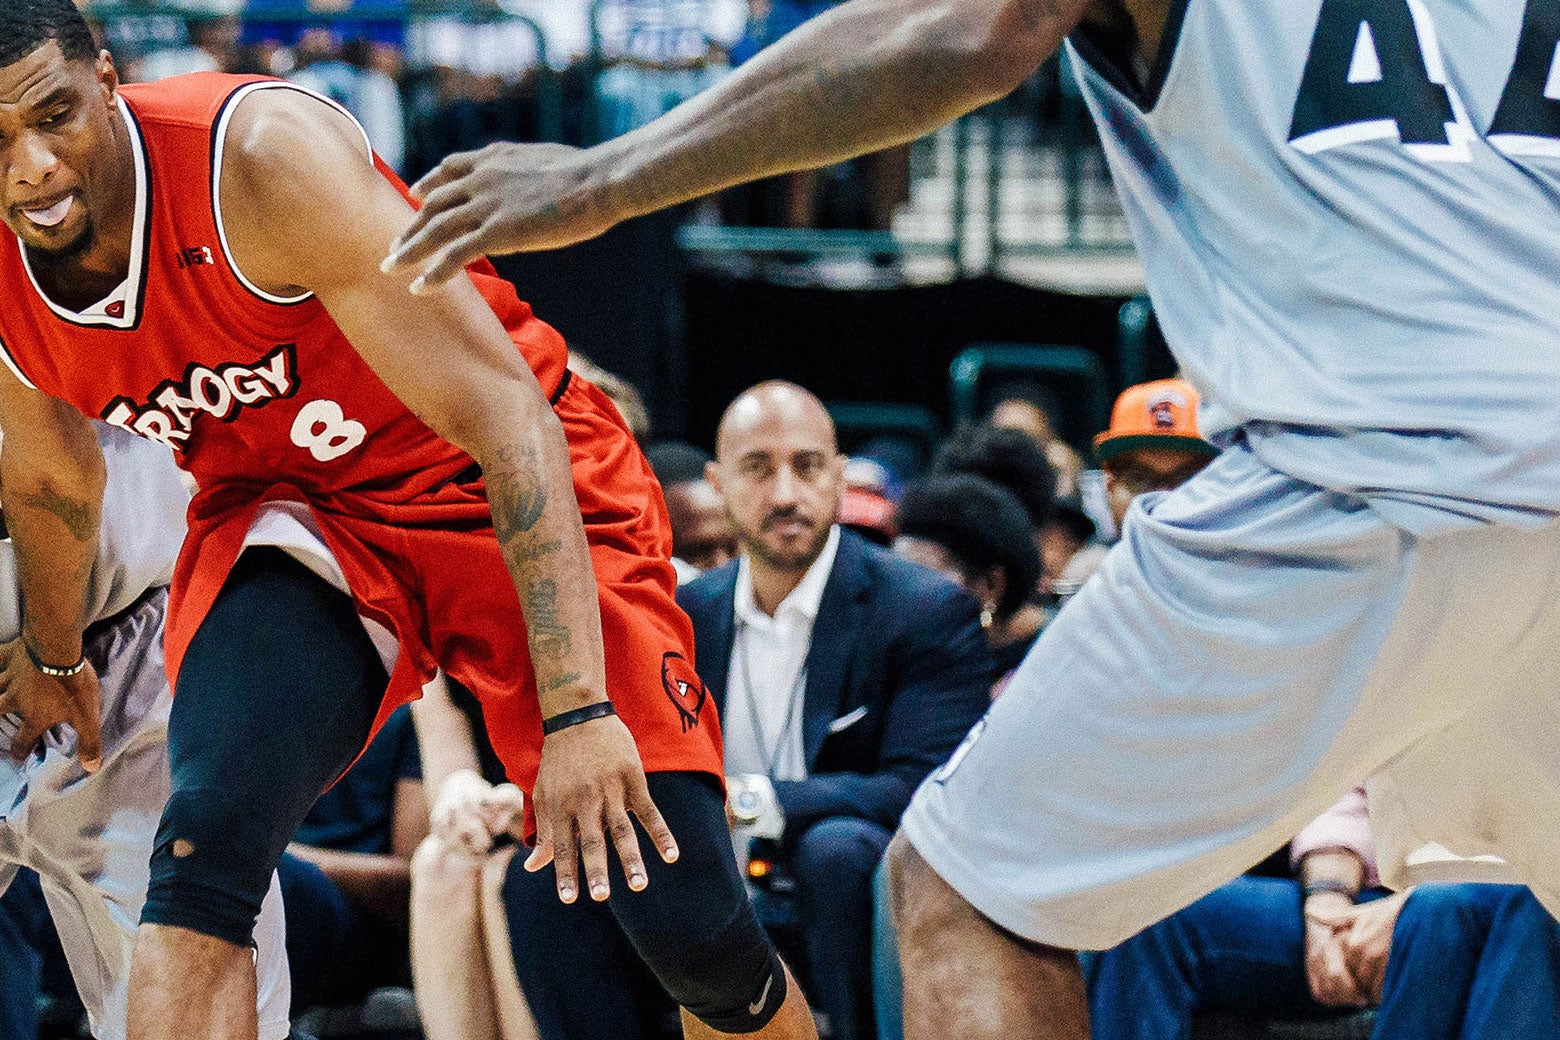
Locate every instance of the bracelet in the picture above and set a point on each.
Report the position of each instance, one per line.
(600, 709)
(55, 670)
(1339, 888)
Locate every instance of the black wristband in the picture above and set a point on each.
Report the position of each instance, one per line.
(54, 669)
(573, 718)
(1339, 888)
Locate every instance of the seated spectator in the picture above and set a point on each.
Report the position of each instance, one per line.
(347, 76)
(843, 674)
(1009, 459)
(659, 53)
(346, 877)
(460, 943)
(702, 538)
(1069, 551)
(1153, 443)
(1030, 407)
(1442, 962)
(978, 534)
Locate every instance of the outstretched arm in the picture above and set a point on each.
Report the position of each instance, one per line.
(296, 175)
(865, 76)
(52, 476)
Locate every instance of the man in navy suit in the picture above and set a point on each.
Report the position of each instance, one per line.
(843, 675)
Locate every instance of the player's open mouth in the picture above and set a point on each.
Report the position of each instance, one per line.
(52, 215)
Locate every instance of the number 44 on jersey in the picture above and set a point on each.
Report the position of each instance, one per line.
(1376, 71)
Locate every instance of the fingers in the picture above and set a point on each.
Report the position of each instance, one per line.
(432, 231)
(650, 819)
(452, 167)
(593, 850)
(626, 840)
(543, 854)
(450, 262)
(27, 737)
(566, 862)
(84, 720)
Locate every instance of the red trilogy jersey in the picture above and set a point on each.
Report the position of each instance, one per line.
(252, 391)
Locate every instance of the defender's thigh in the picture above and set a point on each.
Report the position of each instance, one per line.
(1170, 727)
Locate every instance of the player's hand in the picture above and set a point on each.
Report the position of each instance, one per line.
(42, 702)
(505, 198)
(469, 812)
(589, 782)
(1368, 942)
(1328, 918)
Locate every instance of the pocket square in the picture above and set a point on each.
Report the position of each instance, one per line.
(848, 720)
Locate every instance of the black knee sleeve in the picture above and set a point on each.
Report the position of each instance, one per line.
(693, 924)
(733, 982)
(275, 699)
(212, 864)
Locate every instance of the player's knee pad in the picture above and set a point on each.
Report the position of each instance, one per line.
(212, 863)
(733, 981)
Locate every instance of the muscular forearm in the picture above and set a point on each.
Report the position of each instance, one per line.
(379, 885)
(53, 514)
(865, 76)
(537, 520)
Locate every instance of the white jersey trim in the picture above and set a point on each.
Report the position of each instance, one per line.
(219, 146)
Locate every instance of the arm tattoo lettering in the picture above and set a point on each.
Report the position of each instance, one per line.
(561, 681)
(78, 517)
(549, 635)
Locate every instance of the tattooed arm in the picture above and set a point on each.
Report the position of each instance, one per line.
(51, 488)
(296, 175)
(864, 76)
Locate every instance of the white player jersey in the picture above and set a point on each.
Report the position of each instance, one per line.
(140, 533)
(1349, 211)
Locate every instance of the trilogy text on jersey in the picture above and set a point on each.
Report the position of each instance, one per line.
(170, 410)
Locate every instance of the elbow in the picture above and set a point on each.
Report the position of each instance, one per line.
(992, 46)
(495, 427)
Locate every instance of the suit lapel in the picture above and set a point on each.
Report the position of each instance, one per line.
(715, 651)
(841, 614)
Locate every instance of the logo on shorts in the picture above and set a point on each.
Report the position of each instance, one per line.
(682, 685)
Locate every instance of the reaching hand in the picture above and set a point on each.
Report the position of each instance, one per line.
(505, 198)
(589, 781)
(1327, 921)
(470, 812)
(42, 702)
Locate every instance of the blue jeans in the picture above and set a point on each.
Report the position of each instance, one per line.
(833, 864)
(23, 919)
(1468, 962)
(1472, 962)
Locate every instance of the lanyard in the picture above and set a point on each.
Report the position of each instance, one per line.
(770, 758)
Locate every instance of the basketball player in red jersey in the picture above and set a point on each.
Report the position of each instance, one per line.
(387, 485)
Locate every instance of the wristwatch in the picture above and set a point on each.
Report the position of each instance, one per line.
(745, 801)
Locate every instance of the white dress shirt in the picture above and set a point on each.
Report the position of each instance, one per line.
(768, 673)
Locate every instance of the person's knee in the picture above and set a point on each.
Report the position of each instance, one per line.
(211, 864)
(731, 979)
(1463, 910)
(837, 854)
(441, 872)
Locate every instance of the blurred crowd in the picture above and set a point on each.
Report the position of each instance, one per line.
(430, 78)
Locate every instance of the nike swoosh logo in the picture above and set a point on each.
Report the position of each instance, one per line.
(848, 720)
(757, 1007)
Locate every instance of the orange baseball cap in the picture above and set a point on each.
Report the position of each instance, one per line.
(1161, 414)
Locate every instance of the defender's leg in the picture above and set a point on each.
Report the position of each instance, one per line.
(966, 977)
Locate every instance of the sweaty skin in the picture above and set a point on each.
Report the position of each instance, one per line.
(867, 75)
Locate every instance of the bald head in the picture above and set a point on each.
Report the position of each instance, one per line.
(778, 466)
(771, 408)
